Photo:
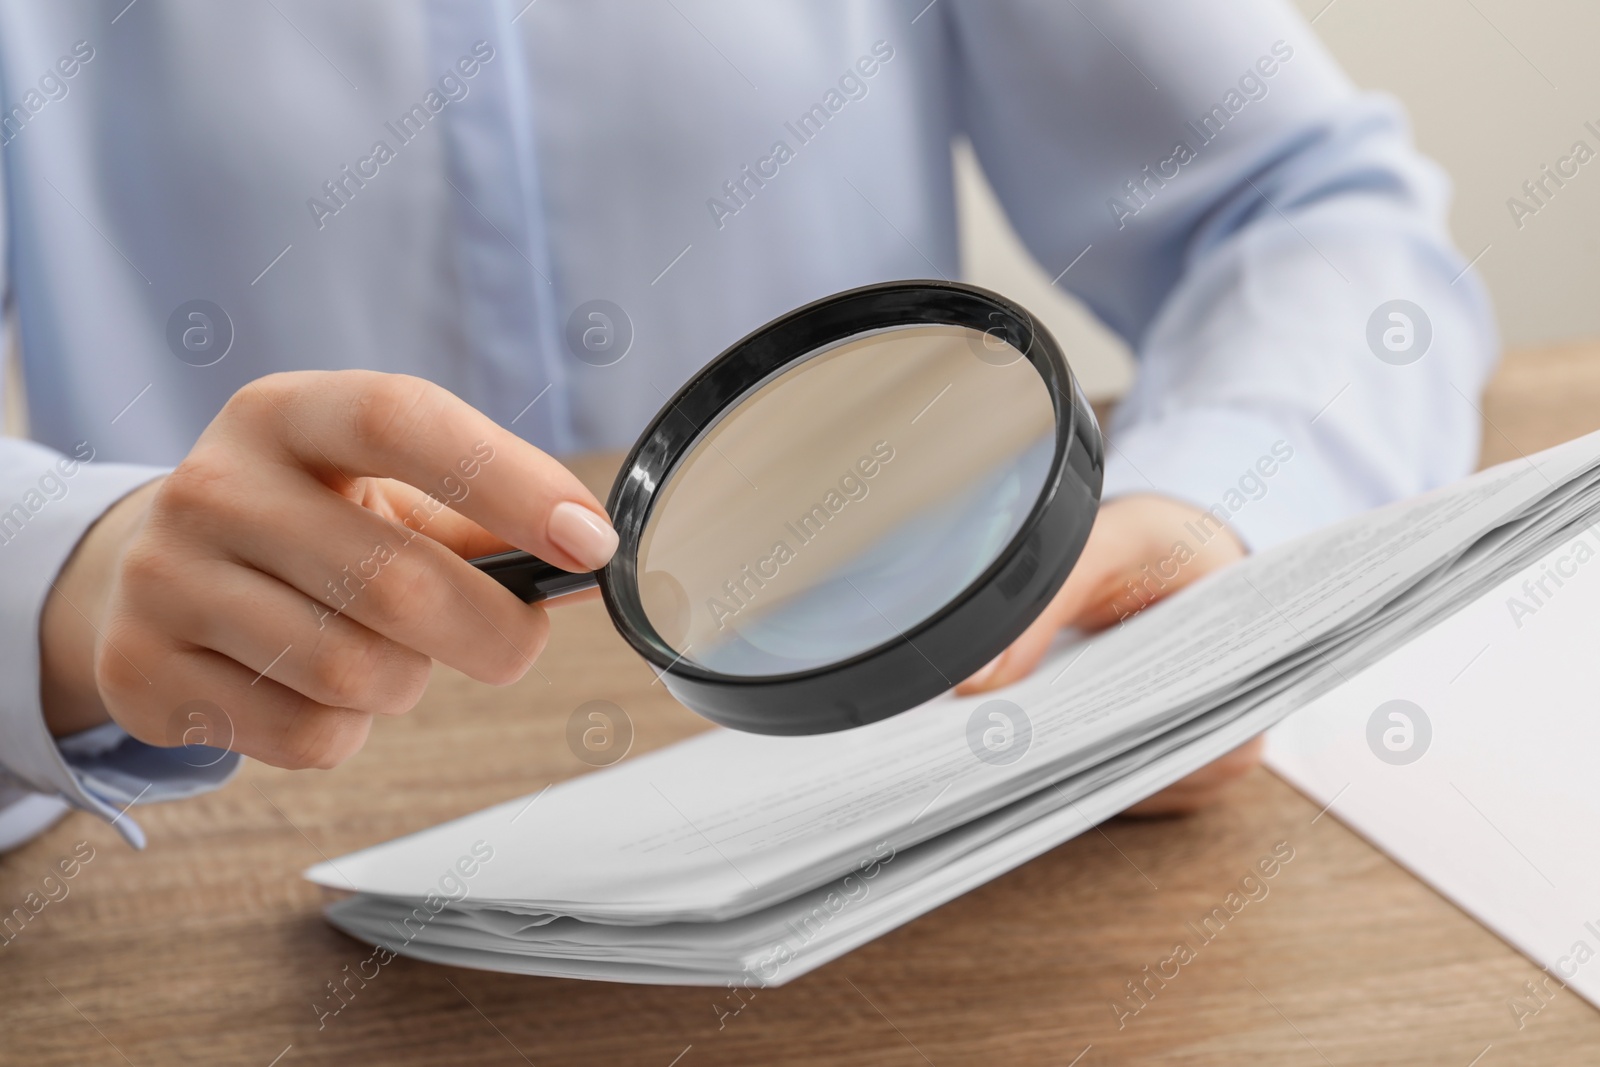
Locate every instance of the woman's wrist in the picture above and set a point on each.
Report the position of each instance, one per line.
(72, 623)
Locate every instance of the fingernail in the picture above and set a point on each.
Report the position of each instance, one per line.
(582, 534)
(986, 671)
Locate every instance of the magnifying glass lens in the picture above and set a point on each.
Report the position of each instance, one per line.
(846, 500)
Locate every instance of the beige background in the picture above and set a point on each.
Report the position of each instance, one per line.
(1496, 88)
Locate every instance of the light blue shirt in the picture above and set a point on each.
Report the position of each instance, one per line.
(444, 188)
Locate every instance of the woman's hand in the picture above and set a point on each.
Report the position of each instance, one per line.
(1110, 583)
(301, 568)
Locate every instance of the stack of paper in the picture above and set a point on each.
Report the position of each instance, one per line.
(735, 857)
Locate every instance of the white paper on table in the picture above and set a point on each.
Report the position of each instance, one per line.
(1501, 812)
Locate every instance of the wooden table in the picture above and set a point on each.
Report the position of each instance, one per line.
(209, 948)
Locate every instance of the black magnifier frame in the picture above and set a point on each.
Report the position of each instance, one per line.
(930, 657)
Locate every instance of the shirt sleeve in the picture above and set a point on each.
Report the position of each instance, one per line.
(48, 501)
(1264, 237)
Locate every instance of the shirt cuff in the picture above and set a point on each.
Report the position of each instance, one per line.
(104, 771)
(1265, 478)
(121, 771)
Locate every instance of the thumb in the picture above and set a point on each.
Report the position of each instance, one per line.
(1026, 651)
(1130, 535)
(1017, 661)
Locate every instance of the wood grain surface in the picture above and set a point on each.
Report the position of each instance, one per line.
(208, 948)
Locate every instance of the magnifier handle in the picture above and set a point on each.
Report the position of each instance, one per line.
(530, 577)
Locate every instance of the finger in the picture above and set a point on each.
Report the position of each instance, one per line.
(1111, 580)
(348, 424)
(395, 500)
(1023, 655)
(322, 655)
(260, 718)
(409, 506)
(388, 578)
(1018, 660)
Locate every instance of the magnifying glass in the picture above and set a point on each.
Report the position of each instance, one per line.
(847, 512)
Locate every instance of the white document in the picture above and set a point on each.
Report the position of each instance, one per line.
(1496, 801)
(688, 864)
